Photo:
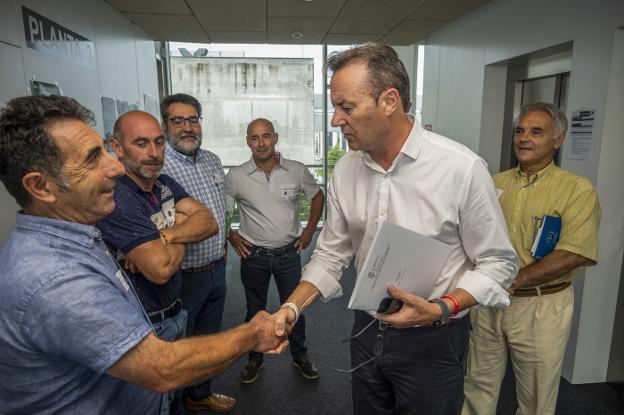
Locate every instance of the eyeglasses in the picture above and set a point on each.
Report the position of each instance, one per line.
(178, 122)
(377, 347)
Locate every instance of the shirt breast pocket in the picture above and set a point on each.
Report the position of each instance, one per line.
(290, 191)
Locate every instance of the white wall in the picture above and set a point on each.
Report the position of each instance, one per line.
(460, 101)
(125, 66)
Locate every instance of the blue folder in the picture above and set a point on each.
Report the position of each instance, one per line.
(547, 236)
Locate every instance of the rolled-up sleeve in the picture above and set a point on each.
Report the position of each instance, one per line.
(485, 240)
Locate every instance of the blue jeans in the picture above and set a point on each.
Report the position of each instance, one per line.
(171, 329)
(418, 370)
(285, 265)
(203, 296)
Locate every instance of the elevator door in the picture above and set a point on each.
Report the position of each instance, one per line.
(552, 89)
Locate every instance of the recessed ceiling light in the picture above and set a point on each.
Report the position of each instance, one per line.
(296, 35)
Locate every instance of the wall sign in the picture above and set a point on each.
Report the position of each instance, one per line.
(51, 38)
(581, 135)
(44, 88)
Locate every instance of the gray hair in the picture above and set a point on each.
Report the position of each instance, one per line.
(558, 117)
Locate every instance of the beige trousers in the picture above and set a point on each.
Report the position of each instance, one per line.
(535, 331)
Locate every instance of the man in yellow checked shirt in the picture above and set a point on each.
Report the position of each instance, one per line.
(536, 326)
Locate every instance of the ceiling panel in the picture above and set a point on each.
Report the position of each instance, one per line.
(410, 31)
(339, 22)
(445, 9)
(302, 8)
(238, 37)
(228, 7)
(372, 16)
(312, 28)
(349, 38)
(151, 6)
(230, 15)
(178, 28)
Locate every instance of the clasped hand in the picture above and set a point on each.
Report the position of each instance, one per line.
(416, 311)
(273, 330)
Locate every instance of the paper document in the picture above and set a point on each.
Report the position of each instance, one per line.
(402, 257)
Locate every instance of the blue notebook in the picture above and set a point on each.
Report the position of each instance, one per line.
(547, 236)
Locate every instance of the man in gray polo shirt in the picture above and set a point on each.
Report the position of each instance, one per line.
(270, 238)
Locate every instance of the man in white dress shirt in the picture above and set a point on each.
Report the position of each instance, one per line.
(400, 173)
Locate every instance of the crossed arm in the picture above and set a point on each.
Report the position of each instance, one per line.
(159, 259)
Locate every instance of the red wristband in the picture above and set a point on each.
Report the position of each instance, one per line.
(455, 303)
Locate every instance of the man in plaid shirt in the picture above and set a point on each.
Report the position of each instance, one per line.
(203, 270)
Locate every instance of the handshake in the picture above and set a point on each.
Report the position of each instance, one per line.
(271, 331)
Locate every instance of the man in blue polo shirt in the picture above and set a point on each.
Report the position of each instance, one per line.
(153, 219)
(73, 337)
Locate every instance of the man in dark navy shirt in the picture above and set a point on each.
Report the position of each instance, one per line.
(153, 219)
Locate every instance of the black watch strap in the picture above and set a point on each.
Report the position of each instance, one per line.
(446, 313)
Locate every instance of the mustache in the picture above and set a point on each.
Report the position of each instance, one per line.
(195, 137)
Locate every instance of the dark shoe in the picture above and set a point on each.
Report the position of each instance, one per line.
(250, 372)
(307, 368)
(215, 403)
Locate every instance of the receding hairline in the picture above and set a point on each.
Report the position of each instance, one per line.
(118, 130)
(525, 114)
(258, 121)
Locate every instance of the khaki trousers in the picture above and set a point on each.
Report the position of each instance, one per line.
(534, 331)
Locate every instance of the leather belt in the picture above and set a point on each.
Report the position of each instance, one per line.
(538, 291)
(383, 325)
(265, 251)
(203, 268)
(158, 316)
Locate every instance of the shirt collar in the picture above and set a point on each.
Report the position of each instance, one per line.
(413, 144)
(76, 232)
(252, 167)
(127, 181)
(537, 176)
(411, 147)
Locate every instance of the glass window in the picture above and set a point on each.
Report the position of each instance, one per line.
(238, 83)
(419, 82)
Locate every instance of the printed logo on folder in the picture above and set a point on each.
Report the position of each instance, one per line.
(547, 236)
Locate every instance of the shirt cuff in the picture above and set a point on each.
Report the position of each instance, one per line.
(578, 250)
(328, 285)
(484, 290)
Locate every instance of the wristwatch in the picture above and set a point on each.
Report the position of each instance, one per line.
(446, 314)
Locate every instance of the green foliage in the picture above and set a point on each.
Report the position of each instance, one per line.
(333, 155)
(304, 207)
